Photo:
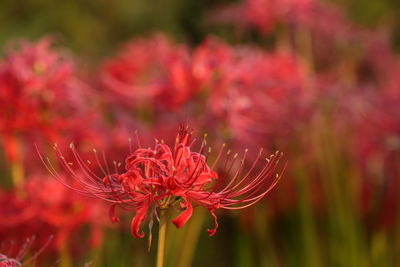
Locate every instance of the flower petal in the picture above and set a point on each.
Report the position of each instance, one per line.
(185, 215)
(138, 218)
(211, 232)
(111, 213)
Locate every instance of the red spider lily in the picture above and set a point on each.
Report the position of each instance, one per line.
(160, 77)
(261, 95)
(162, 177)
(39, 211)
(11, 256)
(211, 63)
(318, 17)
(377, 151)
(263, 15)
(37, 92)
(61, 211)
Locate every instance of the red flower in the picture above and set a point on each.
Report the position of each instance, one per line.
(17, 257)
(37, 211)
(161, 77)
(38, 93)
(264, 15)
(162, 177)
(211, 64)
(259, 96)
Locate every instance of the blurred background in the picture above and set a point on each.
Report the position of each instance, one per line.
(85, 23)
(316, 79)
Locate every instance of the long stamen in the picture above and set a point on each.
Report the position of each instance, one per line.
(218, 156)
(137, 139)
(253, 188)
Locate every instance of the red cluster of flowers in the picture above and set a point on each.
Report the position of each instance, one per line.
(137, 77)
(40, 95)
(308, 86)
(17, 256)
(43, 206)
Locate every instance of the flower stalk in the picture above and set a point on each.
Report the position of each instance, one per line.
(162, 233)
(17, 173)
(13, 153)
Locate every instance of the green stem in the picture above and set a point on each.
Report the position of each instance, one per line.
(65, 259)
(161, 237)
(17, 173)
(191, 238)
(17, 169)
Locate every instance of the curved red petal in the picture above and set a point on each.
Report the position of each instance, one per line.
(211, 232)
(111, 213)
(184, 216)
(138, 218)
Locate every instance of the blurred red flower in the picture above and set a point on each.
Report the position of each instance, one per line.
(38, 92)
(14, 256)
(44, 206)
(161, 77)
(265, 97)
